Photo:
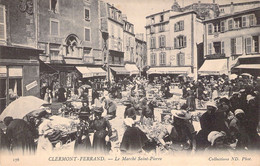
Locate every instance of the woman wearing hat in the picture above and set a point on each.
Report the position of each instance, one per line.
(129, 110)
(82, 143)
(183, 132)
(102, 132)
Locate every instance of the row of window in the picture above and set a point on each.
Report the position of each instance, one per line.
(162, 59)
(161, 19)
(115, 14)
(55, 29)
(232, 23)
(161, 28)
(179, 42)
(251, 46)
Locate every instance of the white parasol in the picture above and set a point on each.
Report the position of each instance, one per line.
(233, 76)
(22, 106)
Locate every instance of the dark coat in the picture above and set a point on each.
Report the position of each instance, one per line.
(20, 137)
(133, 140)
(102, 128)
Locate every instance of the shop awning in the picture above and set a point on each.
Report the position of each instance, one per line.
(97, 71)
(91, 71)
(120, 70)
(132, 69)
(169, 70)
(214, 67)
(86, 73)
(248, 66)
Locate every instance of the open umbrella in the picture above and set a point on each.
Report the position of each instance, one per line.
(22, 106)
(233, 76)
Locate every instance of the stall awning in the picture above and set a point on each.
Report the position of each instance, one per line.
(169, 70)
(91, 71)
(86, 73)
(132, 69)
(97, 71)
(248, 66)
(214, 67)
(120, 70)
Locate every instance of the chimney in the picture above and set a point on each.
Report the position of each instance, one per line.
(232, 8)
(214, 2)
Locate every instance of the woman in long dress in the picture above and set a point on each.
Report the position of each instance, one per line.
(102, 132)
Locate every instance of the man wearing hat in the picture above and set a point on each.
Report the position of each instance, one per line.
(102, 132)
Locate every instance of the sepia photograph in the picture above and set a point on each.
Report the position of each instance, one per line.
(129, 82)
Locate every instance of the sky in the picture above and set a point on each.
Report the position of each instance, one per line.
(137, 10)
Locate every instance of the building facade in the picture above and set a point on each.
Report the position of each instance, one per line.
(69, 33)
(175, 39)
(232, 42)
(141, 51)
(19, 58)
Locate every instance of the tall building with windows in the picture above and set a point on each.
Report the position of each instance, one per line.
(129, 41)
(141, 51)
(69, 33)
(19, 56)
(232, 41)
(175, 39)
(112, 27)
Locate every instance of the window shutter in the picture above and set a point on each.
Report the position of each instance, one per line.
(184, 41)
(160, 41)
(182, 25)
(175, 27)
(248, 45)
(222, 47)
(175, 43)
(164, 41)
(209, 29)
(151, 44)
(182, 59)
(222, 26)
(233, 46)
(244, 21)
(210, 48)
(87, 34)
(239, 45)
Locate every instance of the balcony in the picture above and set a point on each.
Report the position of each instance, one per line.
(215, 56)
(88, 59)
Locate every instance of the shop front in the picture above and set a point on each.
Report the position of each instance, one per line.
(132, 68)
(19, 73)
(118, 73)
(248, 64)
(93, 75)
(214, 67)
(171, 72)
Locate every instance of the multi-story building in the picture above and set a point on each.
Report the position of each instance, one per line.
(232, 42)
(112, 33)
(174, 39)
(141, 51)
(19, 58)
(68, 32)
(129, 43)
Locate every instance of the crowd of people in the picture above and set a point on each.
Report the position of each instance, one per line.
(229, 123)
